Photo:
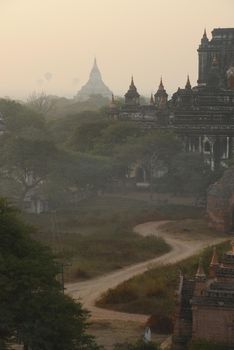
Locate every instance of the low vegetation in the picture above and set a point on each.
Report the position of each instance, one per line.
(97, 237)
(154, 291)
(206, 345)
(139, 345)
(105, 249)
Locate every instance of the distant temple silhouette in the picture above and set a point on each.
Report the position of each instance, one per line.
(94, 86)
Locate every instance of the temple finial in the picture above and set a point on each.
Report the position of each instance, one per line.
(214, 259)
(204, 40)
(161, 86)
(200, 270)
(188, 84)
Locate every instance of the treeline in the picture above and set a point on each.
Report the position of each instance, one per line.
(69, 158)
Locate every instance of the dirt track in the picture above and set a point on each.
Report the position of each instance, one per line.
(89, 291)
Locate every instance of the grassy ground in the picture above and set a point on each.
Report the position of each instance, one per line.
(96, 237)
(108, 333)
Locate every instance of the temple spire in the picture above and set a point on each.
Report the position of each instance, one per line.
(200, 270)
(214, 259)
(132, 97)
(132, 82)
(161, 86)
(152, 99)
(214, 264)
(160, 97)
(204, 39)
(188, 84)
(94, 85)
(204, 34)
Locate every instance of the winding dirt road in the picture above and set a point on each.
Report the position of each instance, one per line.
(89, 291)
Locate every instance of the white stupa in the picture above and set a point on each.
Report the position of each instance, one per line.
(94, 86)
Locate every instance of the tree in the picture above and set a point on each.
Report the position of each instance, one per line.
(160, 146)
(25, 164)
(18, 117)
(41, 102)
(33, 309)
(101, 137)
(87, 135)
(188, 174)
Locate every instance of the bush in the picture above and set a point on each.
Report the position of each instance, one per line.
(160, 323)
(125, 294)
(81, 274)
(139, 345)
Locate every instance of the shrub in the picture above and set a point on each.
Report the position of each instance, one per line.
(139, 345)
(81, 274)
(125, 294)
(160, 323)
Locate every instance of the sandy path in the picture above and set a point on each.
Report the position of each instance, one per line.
(89, 291)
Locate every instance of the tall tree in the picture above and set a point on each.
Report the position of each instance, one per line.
(25, 164)
(33, 309)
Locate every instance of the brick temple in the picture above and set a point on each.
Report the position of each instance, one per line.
(202, 115)
(205, 305)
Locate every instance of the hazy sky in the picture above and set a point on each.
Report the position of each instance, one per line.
(146, 38)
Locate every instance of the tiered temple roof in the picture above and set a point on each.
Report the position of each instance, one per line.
(94, 86)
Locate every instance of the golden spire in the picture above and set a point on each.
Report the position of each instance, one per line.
(214, 260)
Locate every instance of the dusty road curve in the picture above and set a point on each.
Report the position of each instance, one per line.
(89, 291)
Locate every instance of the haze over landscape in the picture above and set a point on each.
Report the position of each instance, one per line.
(116, 186)
(50, 45)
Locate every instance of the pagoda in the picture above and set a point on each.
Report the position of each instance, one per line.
(94, 86)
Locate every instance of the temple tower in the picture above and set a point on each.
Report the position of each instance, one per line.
(161, 96)
(132, 97)
(94, 86)
(220, 46)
